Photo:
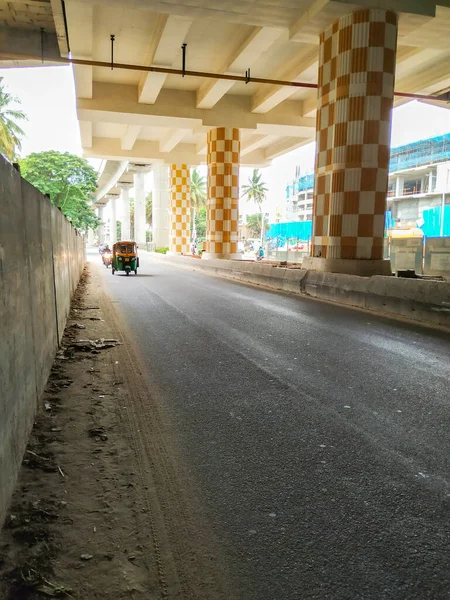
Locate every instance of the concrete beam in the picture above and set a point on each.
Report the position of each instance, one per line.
(81, 41)
(250, 51)
(172, 139)
(130, 137)
(58, 18)
(282, 147)
(146, 151)
(116, 103)
(86, 133)
(111, 173)
(27, 42)
(253, 142)
(268, 97)
(171, 34)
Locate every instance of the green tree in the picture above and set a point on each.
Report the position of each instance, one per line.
(200, 222)
(198, 199)
(70, 182)
(254, 224)
(10, 132)
(256, 191)
(149, 208)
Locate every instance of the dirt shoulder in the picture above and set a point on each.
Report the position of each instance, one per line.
(102, 508)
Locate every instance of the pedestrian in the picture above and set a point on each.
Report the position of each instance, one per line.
(193, 249)
(260, 255)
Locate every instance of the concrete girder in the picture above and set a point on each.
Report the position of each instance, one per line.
(258, 42)
(27, 42)
(283, 146)
(111, 173)
(176, 108)
(172, 35)
(318, 14)
(130, 136)
(149, 152)
(86, 133)
(82, 41)
(270, 96)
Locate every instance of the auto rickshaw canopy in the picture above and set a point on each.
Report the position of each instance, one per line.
(125, 248)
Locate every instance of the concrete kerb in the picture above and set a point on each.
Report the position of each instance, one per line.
(422, 301)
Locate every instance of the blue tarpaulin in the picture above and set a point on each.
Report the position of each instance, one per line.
(295, 230)
(432, 225)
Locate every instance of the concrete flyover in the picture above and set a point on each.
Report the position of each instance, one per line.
(179, 84)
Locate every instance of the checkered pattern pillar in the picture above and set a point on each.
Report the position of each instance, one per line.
(356, 88)
(180, 208)
(223, 192)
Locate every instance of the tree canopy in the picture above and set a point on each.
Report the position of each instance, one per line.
(10, 132)
(198, 190)
(254, 225)
(255, 189)
(69, 180)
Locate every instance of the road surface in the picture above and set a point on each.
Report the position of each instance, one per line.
(317, 436)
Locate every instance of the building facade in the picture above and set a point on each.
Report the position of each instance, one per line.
(419, 180)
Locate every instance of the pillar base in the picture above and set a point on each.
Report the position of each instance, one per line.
(210, 255)
(360, 267)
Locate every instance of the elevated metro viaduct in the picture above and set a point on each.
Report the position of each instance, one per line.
(259, 79)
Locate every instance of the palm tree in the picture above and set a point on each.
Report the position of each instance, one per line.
(10, 132)
(198, 197)
(256, 191)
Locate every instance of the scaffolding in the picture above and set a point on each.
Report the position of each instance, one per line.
(424, 152)
(416, 154)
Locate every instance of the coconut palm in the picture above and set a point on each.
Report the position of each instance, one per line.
(10, 132)
(198, 197)
(256, 191)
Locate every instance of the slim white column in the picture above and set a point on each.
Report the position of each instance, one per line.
(90, 237)
(101, 228)
(125, 231)
(113, 222)
(161, 206)
(139, 208)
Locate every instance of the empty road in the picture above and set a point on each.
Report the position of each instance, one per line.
(318, 437)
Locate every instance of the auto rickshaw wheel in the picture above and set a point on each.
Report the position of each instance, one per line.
(113, 271)
(128, 272)
(135, 271)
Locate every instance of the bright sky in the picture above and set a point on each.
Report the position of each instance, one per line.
(48, 98)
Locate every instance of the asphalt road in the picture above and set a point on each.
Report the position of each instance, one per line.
(318, 436)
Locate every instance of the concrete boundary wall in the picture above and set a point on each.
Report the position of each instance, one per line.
(423, 301)
(41, 260)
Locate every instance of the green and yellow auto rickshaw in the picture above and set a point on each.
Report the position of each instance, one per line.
(125, 257)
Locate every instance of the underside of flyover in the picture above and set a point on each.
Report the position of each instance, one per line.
(171, 85)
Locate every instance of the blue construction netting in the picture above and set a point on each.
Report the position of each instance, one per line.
(295, 230)
(432, 150)
(436, 149)
(303, 183)
(432, 225)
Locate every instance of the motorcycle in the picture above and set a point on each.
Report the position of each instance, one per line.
(107, 259)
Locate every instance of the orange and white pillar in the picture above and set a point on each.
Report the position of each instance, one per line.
(223, 153)
(180, 209)
(355, 98)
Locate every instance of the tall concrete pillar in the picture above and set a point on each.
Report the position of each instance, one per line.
(223, 153)
(139, 208)
(91, 239)
(355, 96)
(180, 209)
(125, 221)
(161, 206)
(101, 227)
(113, 221)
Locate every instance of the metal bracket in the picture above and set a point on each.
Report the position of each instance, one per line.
(183, 62)
(247, 76)
(112, 37)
